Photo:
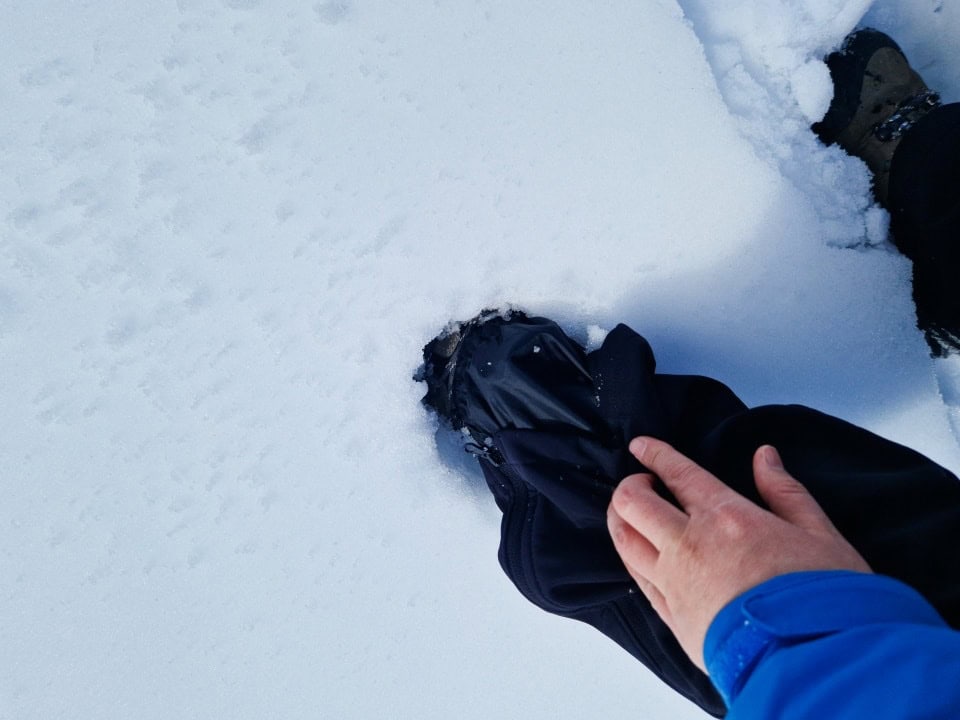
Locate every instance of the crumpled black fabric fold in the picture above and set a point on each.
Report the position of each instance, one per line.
(553, 422)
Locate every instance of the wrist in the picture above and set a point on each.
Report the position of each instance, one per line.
(800, 607)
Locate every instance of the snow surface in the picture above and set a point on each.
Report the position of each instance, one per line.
(227, 227)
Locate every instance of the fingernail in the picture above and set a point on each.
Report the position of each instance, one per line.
(772, 458)
(638, 446)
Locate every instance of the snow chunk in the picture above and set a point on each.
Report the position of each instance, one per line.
(813, 89)
(595, 336)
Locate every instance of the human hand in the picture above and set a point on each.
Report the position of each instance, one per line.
(689, 563)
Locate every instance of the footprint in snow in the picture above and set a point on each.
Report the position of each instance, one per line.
(332, 12)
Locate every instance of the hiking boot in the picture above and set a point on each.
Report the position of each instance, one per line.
(877, 98)
(508, 370)
(442, 360)
(439, 362)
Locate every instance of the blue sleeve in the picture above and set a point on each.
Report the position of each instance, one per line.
(834, 645)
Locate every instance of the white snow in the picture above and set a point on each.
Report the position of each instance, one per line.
(227, 227)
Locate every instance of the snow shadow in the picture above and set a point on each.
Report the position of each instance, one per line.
(792, 321)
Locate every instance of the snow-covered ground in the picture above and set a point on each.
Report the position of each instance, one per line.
(227, 227)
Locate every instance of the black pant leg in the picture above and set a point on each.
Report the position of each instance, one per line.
(924, 206)
(552, 424)
(897, 508)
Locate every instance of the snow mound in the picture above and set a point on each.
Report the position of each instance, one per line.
(767, 56)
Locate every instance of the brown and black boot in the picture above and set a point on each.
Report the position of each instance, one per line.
(877, 98)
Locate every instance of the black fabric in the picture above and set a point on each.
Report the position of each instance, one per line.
(924, 205)
(554, 422)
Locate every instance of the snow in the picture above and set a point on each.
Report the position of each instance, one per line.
(226, 230)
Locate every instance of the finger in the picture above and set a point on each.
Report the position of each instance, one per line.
(786, 497)
(639, 558)
(694, 487)
(638, 554)
(647, 513)
(656, 600)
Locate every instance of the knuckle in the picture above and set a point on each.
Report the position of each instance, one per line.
(682, 473)
(732, 521)
(685, 472)
(652, 454)
(791, 486)
(783, 478)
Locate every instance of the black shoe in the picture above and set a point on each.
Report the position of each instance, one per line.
(441, 360)
(507, 370)
(877, 98)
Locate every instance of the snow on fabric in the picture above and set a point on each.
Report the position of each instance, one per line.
(227, 228)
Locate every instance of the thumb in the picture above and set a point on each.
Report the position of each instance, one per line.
(787, 497)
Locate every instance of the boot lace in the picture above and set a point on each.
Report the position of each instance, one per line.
(906, 116)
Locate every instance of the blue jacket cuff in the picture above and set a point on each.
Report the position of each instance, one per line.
(797, 607)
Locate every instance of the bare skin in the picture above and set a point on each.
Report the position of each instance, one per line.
(690, 563)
